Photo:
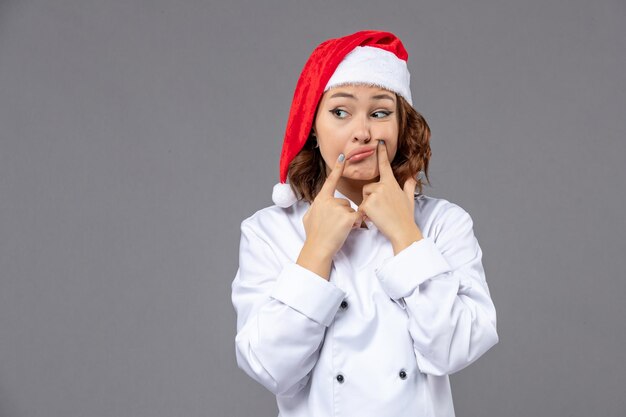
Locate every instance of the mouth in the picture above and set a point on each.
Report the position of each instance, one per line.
(360, 156)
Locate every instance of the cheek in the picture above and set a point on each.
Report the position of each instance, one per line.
(393, 151)
(330, 153)
(330, 143)
(391, 141)
(396, 139)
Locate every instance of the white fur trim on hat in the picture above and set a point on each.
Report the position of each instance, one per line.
(375, 66)
(283, 195)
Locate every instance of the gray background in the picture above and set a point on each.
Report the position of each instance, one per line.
(135, 136)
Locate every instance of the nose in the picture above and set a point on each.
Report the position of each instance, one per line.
(362, 131)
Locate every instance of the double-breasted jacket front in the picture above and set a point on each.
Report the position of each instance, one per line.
(381, 336)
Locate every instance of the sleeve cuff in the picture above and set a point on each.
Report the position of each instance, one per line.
(410, 267)
(308, 293)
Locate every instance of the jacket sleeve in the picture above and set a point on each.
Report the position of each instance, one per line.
(283, 310)
(441, 285)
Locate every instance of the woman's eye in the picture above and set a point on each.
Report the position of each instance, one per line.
(380, 114)
(342, 114)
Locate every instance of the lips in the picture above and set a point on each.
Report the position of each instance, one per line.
(360, 153)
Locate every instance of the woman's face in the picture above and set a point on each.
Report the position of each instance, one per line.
(351, 119)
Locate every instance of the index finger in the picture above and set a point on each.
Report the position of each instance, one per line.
(333, 178)
(384, 167)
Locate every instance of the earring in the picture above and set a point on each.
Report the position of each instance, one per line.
(317, 145)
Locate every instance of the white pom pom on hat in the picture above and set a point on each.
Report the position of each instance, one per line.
(283, 195)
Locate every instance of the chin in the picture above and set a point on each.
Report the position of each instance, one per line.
(362, 176)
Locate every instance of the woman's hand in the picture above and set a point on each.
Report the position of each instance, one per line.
(327, 223)
(390, 207)
(329, 220)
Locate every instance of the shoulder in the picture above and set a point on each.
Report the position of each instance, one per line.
(440, 216)
(438, 207)
(272, 219)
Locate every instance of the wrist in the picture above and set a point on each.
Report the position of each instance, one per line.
(318, 250)
(407, 237)
(315, 260)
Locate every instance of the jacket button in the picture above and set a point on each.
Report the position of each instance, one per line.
(344, 305)
(340, 378)
(402, 374)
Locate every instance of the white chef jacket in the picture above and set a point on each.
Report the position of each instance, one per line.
(381, 336)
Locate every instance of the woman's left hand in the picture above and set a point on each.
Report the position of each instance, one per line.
(390, 207)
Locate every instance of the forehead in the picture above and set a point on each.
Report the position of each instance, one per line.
(359, 91)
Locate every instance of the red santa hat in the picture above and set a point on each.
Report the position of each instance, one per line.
(367, 57)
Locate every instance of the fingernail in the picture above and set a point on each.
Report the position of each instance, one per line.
(341, 157)
(381, 141)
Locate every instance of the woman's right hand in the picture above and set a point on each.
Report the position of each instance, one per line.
(329, 220)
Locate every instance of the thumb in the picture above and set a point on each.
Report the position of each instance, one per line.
(409, 189)
(358, 218)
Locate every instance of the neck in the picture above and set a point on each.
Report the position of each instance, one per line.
(353, 189)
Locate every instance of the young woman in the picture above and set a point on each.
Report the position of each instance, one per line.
(356, 294)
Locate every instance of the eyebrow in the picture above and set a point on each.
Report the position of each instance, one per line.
(376, 97)
(382, 97)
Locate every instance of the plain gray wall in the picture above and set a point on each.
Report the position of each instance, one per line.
(135, 136)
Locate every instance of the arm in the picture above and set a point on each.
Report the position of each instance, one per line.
(283, 310)
(443, 290)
